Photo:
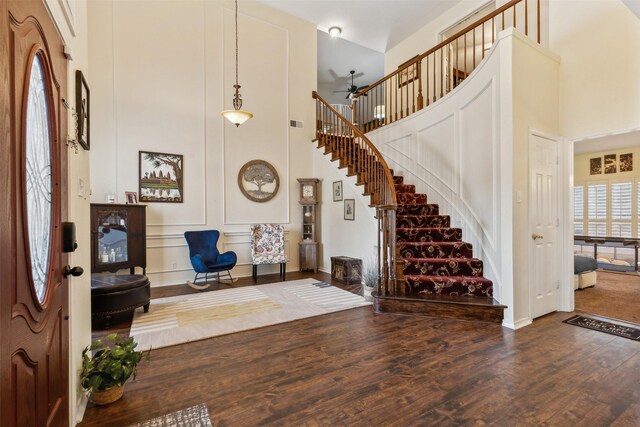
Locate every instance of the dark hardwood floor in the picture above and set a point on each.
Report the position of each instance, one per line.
(358, 368)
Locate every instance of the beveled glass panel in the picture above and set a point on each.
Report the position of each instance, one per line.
(38, 178)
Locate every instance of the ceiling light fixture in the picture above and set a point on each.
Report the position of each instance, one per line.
(335, 31)
(237, 116)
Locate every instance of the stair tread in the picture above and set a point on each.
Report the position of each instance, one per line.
(429, 228)
(434, 243)
(443, 278)
(453, 299)
(440, 260)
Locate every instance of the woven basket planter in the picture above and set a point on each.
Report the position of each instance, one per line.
(110, 395)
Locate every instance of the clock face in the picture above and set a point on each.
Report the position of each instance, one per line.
(307, 191)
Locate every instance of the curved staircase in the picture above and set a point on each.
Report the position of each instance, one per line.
(435, 273)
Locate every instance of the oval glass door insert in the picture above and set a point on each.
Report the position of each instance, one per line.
(38, 177)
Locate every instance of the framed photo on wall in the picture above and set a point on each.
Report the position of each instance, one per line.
(82, 109)
(337, 191)
(349, 209)
(160, 177)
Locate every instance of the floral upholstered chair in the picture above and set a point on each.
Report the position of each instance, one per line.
(267, 247)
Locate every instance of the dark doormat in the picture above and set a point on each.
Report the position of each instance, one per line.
(607, 325)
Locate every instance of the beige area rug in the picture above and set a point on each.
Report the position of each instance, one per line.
(184, 318)
(196, 416)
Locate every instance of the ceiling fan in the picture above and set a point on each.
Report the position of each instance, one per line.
(352, 89)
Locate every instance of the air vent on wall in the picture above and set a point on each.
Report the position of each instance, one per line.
(296, 123)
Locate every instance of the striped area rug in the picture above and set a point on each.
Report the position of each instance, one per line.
(184, 318)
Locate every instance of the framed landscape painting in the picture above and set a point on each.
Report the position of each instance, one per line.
(160, 177)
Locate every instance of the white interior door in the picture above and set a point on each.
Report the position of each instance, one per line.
(544, 226)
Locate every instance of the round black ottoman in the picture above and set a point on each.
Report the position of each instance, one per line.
(118, 293)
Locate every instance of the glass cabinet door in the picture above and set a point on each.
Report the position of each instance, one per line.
(112, 237)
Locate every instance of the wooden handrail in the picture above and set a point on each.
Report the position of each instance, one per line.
(352, 148)
(445, 43)
(357, 132)
(439, 69)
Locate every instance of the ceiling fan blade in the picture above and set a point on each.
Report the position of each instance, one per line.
(338, 91)
(362, 87)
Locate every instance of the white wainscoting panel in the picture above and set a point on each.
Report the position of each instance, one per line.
(438, 158)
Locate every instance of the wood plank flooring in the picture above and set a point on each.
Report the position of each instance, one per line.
(357, 368)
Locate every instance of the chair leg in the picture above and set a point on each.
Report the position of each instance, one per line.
(255, 273)
(230, 278)
(194, 285)
(284, 271)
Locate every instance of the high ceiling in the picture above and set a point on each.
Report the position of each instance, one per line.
(608, 142)
(376, 24)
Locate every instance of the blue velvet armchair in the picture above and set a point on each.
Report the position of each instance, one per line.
(205, 257)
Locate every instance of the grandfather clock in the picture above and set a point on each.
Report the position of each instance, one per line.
(308, 245)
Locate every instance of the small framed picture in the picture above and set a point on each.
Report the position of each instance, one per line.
(132, 197)
(82, 109)
(337, 191)
(349, 209)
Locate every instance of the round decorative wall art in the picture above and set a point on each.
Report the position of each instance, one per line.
(259, 181)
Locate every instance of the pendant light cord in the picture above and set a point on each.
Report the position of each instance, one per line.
(236, 42)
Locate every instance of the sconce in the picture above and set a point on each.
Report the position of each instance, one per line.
(72, 142)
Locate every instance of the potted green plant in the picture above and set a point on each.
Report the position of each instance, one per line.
(111, 364)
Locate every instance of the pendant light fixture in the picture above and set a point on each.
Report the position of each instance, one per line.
(237, 116)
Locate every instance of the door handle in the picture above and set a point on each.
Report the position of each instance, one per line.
(536, 236)
(75, 271)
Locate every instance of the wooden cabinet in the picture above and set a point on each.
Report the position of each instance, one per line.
(118, 237)
(308, 247)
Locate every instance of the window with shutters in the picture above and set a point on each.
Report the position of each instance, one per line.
(597, 210)
(578, 210)
(621, 209)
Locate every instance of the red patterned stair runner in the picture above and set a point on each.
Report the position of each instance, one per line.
(434, 259)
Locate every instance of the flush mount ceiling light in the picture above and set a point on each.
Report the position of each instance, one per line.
(335, 31)
(237, 116)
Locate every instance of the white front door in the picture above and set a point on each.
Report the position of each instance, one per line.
(544, 225)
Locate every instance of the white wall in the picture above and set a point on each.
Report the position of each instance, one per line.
(340, 237)
(598, 42)
(428, 36)
(72, 24)
(163, 71)
(469, 153)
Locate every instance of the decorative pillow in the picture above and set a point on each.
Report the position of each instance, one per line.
(620, 262)
(604, 259)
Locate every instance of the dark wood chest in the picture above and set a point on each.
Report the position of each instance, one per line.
(346, 270)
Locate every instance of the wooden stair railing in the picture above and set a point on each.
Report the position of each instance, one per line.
(348, 145)
(426, 78)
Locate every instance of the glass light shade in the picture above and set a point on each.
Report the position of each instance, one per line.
(335, 31)
(237, 117)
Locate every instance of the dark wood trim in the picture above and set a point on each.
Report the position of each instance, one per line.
(472, 308)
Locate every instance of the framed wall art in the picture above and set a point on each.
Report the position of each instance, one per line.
(626, 162)
(259, 181)
(83, 103)
(595, 166)
(160, 177)
(610, 163)
(349, 209)
(337, 191)
(409, 74)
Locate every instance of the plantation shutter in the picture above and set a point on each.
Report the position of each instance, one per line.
(578, 210)
(597, 209)
(621, 200)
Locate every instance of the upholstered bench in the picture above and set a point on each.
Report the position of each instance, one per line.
(584, 270)
(119, 293)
